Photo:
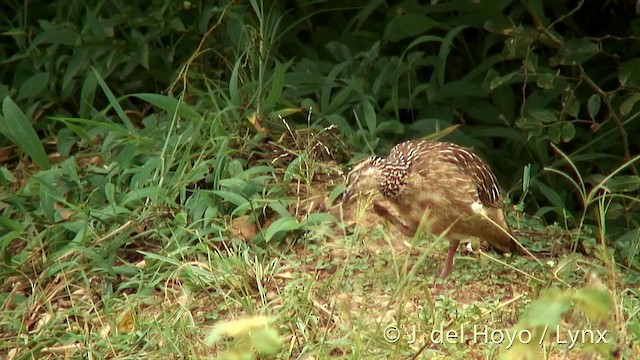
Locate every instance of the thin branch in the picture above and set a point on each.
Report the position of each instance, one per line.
(612, 114)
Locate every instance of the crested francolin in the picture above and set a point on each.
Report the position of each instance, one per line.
(444, 187)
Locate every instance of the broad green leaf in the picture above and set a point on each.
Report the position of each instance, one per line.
(139, 195)
(624, 183)
(390, 127)
(518, 46)
(552, 195)
(6, 176)
(327, 91)
(423, 39)
(319, 218)
(627, 105)
(234, 87)
(340, 99)
(15, 125)
(445, 49)
(384, 77)
(55, 34)
(33, 86)
(504, 80)
(595, 303)
(110, 193)
(170, 105)
(555, 133)
(87, 95)
(543, 115)
(545, 81)
(6, 223)
(571, 104)
(292, 170)
(577, 51)
(593, 105)
(568, 132)
(277, 84)
(78, 62)
(369, 115)
(629, 74)
(234, 198)
(408, 25)
(545, 311)
(528, 123)
(458, 89)
(48, 194)
(283, 224)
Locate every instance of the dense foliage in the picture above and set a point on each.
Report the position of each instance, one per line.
(141, 105)
(516, 75)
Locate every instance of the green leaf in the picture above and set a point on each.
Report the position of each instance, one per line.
(627, 105)
(458, 89)
(504, 80)
(170, 105)
(283, 224)
(629, 74)
(624, 183)
(545, 81)
(6, 223)
(551, 194)
(408, 25)
(528, 123)
(555, 133)
(319, 218)
(77, 63)
(369, 115)
(33, 86)
(543, 115)
(568, 132)
(115, 104)
(234, 87)
(595, 303)
(232, 197)
(139, 195)
(266, 341)
(593, 105)
(445, 48)
(277, 84)
(55, 34)
(576, 51)
(546, 311)
(87, 95)
(48, 194)
(15, 125)
(571, 104)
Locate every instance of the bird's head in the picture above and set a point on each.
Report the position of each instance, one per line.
(365, 177)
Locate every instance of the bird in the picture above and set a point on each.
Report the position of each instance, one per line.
(439, 187)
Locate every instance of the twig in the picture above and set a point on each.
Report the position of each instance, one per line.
(612, 115)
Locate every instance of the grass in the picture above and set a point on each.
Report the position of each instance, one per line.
(154, 280)
(206, 229)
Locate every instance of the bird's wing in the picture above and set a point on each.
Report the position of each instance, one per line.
(474, 167)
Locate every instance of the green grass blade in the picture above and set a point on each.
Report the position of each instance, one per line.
(115, 104)
(17, 127)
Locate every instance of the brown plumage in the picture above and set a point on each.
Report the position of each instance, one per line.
(443, 186)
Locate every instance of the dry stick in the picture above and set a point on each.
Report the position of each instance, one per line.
(612, 115)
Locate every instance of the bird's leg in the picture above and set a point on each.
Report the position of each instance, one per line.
(446, 269)
(383, 212)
